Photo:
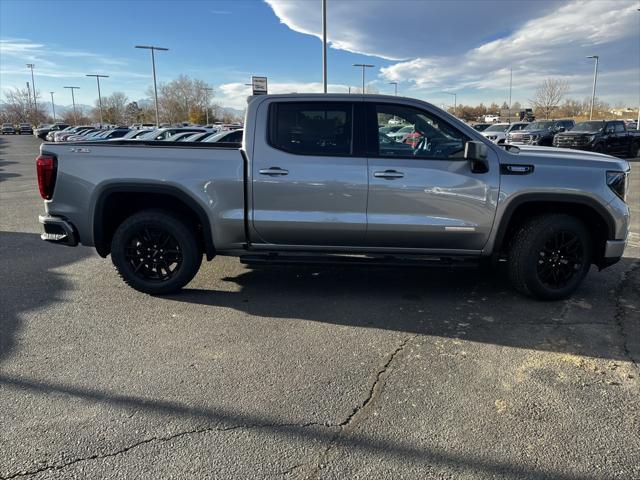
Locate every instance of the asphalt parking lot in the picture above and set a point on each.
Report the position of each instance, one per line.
(306, 372)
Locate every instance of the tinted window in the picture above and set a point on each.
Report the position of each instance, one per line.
(312, 128)
(426, 136)
(619, 127)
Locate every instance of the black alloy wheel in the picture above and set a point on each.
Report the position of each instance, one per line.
(155, 252)
(561, 257)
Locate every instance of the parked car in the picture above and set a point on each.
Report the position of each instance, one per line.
(539, 132)
(387, 129)
(481, 127)
(303, 188)
(25, 129)
(199, 137)
(43, 130)
(180, 136)
(498, 132)
(8, 129)
(164, 133)
(135, 134)
(62, 135)
(232, 136)
(601, 136)
(388, 146)
(402, 134)
(492, 118)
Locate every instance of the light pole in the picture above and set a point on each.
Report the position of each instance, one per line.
(395, 84)
(53, 107)
(206, 106)
(73, 99)
(155, 86)
(324, 45)
(595, 78)
(455, 102)
(33, 84)
(98, 77)
(363, 65)
(510, 88)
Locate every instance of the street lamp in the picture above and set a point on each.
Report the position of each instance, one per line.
(595, 77)
(33, 84)
(53, 107)
(455, 102)
(98, 77)
(363, 65)
(207, 90)
(73, 99)
(324, 45)
(153, 64)
(395, 84)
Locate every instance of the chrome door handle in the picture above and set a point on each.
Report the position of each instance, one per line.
(388, 174)
(274, 171)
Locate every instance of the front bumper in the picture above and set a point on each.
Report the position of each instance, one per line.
(614, 248)
(58, 230)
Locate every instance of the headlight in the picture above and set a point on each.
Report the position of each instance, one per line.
(534, 137)
(618, 182)
(590, 138)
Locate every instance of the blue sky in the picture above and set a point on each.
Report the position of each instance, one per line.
(427, 46)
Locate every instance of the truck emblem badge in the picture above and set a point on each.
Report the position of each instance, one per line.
(79, 150)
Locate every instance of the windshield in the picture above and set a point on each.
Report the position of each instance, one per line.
(498, 128)
(539, 126)
(588, 127)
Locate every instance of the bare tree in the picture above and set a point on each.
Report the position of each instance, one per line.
(549, 95)
(113, 109)
(183, 99)
(19, 107)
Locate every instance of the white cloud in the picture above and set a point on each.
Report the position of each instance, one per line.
(235, 94)
(464, 46)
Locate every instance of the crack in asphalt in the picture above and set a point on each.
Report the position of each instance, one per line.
(621, 311)
(358, 412)
(160, 439)
(343, 426)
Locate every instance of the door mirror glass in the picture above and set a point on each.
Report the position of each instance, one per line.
(475, 151)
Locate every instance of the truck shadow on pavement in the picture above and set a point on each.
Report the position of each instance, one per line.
(29, 282)
(328, 434)
(467, 304)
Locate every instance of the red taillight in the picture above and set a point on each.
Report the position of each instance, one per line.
(46, 168)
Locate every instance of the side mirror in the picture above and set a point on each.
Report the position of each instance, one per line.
(610, 130)
(476, 153)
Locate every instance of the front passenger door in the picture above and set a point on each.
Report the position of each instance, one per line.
(423, 194)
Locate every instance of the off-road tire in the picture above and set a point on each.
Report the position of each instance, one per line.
(127, 240)
(527, 256)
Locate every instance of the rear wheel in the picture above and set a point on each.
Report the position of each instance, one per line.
(155, 253)
(549, 256)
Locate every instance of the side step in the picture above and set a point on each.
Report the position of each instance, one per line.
(366, 260)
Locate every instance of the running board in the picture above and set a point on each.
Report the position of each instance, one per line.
(366, 260)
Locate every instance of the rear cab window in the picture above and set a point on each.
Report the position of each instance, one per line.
(312, 128)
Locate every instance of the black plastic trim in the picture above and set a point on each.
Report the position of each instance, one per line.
(132, 187)
(551, 198)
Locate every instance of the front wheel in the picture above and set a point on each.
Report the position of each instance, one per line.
(549, 256)
(155, 253)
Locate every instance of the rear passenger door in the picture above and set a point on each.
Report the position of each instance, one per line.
(309, 176)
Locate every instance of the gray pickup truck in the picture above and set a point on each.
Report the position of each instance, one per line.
(315, 181)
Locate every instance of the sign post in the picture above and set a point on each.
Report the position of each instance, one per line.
(259, 85)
